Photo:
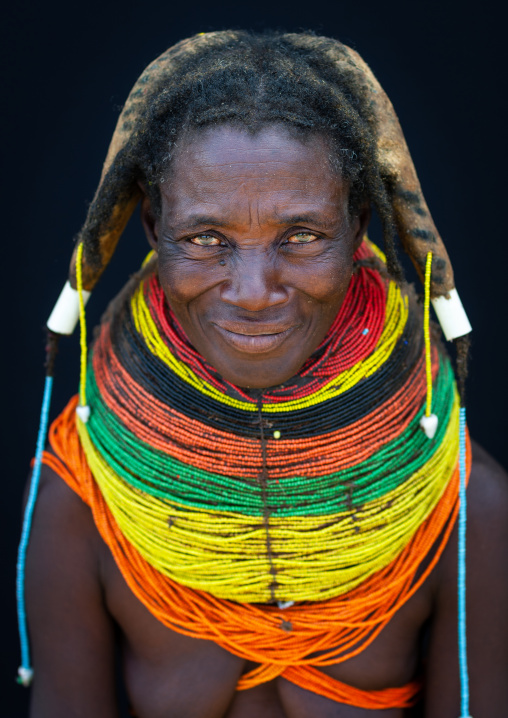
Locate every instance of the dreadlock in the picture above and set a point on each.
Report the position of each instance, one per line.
(252, 80)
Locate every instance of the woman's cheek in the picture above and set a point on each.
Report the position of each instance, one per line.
(183, 279)
(322, 278)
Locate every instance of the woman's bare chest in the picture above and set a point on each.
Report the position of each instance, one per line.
(170, 674)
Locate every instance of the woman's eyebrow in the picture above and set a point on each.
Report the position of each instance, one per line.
(287, 220)
(197, 220)
(302, 218)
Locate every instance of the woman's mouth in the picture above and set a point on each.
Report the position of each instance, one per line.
(254, 340)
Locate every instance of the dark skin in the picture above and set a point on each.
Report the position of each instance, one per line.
(256, 291)
(255, 249)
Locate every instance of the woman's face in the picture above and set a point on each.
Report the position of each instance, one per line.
(255, 249)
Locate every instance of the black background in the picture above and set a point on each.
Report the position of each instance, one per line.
(67, 69)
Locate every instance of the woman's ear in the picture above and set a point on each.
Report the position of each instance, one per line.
(148, 220)
(361, 223)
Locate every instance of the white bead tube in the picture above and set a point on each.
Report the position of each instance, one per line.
(451, 315)
(65, 314)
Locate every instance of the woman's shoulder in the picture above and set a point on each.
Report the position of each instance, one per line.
(488, 488)
(71, 631)
(486, 527)
(62, 517)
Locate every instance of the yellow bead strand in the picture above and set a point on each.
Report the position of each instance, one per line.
(82, 326)
(316, 557)
(426, 333)
(395, 321)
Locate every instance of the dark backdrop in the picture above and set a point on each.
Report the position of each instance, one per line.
(67, 68)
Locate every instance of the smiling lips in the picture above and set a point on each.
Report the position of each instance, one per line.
(254, 339)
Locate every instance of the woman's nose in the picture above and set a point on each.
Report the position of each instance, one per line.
(252, 283)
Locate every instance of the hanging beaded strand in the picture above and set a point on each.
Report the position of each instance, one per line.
(462, 348)
(25, 671)
(83, 410)
(461, 579)
(429, 421)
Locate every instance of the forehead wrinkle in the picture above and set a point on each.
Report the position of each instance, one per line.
(275, 149)
(213, 180)
(278, 157)
(224, 183)
(250, 187)
(257, 215)
(231, 200)
(284, 182)
(248, 163)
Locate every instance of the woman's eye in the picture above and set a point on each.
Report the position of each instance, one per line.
(302, 238)
(205, 240)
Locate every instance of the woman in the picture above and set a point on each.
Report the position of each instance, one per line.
(267, 437)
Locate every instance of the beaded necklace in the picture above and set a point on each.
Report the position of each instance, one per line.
(278, 525)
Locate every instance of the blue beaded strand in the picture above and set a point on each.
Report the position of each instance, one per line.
(461, 581)
(25, 671)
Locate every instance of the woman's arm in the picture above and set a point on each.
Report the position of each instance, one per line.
(487, 604)
(71, 632)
